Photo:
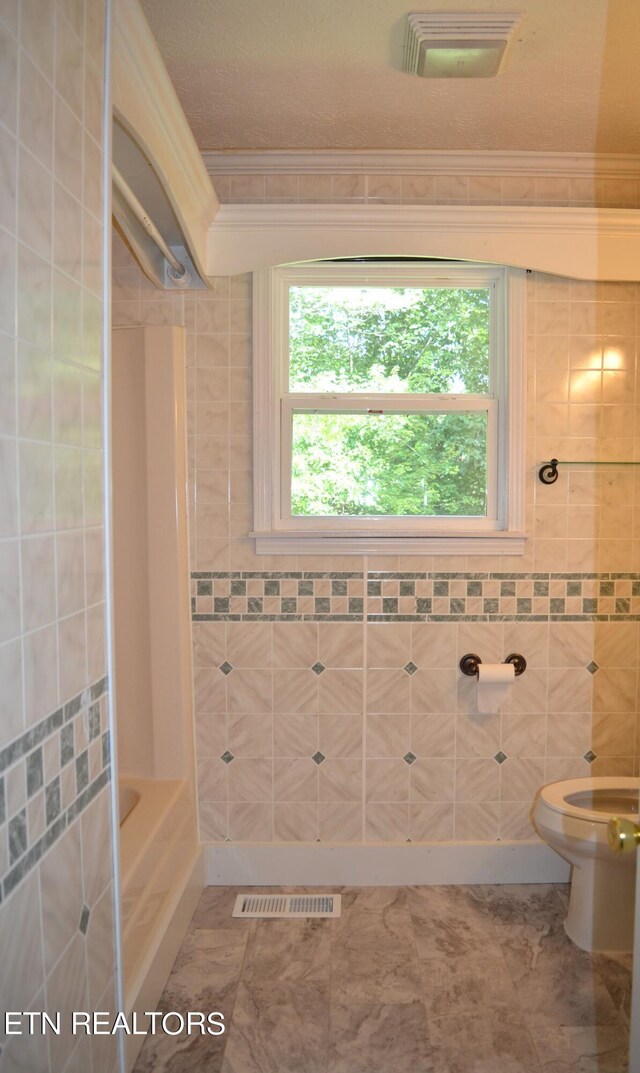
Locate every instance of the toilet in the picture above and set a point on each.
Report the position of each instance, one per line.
(572, 817)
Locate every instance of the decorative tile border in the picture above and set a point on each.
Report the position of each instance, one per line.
(48, 776)
(413, 597)
(286, 596)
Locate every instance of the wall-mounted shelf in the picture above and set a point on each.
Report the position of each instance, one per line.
(548, 472)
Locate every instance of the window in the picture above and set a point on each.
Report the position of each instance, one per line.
(389, 408)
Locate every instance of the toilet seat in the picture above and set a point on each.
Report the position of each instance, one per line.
(557, 796)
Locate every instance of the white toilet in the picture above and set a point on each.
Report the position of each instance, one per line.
(572, 818)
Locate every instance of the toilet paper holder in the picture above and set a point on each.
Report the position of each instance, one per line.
(469, 664)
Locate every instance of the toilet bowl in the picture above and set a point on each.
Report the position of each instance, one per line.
(572, 817)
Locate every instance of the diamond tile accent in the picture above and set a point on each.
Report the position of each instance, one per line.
(318, 757)
(592, 667)
(410, 667)
(226, 668)
(84, 919)
(227, 757)
(318, 668)
(500, 757)
(409, 758)
(590, 757)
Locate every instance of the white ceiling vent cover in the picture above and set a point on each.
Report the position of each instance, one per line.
(463, 45)
(287, 905)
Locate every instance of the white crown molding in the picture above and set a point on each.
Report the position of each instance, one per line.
(359, 216)
(146, 105)
(577, 242)
(422, 162)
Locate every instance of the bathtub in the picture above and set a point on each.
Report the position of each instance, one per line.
(128, 798)
(160, 880)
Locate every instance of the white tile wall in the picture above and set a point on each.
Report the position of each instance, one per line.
(582, 402)
(51, 539)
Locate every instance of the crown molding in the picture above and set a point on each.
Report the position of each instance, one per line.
(146, 105)
(423, 162)
(577, 242)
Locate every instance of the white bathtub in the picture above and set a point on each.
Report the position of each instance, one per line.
(128, 798)
(160, 879)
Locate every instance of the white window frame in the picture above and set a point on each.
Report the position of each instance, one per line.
(502, 531)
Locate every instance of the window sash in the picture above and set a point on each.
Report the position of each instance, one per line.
(394, 402)
(399, 404)
(422, 277)
(425, 277)
(278, 532)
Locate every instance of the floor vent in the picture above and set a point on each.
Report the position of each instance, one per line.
(287, 905)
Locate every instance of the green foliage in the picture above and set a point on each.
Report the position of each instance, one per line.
(389, 340)
(395, 464)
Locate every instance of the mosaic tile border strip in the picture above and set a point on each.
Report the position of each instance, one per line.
(283, 596)
(48, 776)
(298, 596)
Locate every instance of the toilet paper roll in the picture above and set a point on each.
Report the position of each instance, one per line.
(494, 682)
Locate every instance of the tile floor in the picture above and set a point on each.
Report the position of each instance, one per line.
(409, 980)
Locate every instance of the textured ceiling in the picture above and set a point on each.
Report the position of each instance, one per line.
(326, 74)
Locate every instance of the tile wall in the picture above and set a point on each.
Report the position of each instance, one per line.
(56, 897)
(486, 189)
(329, 703)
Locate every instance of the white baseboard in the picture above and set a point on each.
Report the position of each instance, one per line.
(384, 864)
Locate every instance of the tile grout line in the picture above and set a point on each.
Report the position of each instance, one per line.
(273, 734)
(16, 366)
(420, 977)
(251, 932)
(364, 695)
(520, 1003)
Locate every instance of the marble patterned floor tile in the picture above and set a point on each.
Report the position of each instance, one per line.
(379, 1039)
(208, 959)
(216, 905)
(204, 977)
(360, 978)
(530, 903)
(480, 1044)
(541, 961)
(467, 984)
(374, 899)
(188, 1053)
(387, 930)
(454, 979)
(298, 949)
(616, 972)
(279, 1027)
(373, 959)
(181, 1054)
(599, 1049)
(450, 921)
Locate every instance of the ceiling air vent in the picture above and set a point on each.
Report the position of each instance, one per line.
(464, 45)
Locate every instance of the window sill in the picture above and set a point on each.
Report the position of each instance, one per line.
(297, 543)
